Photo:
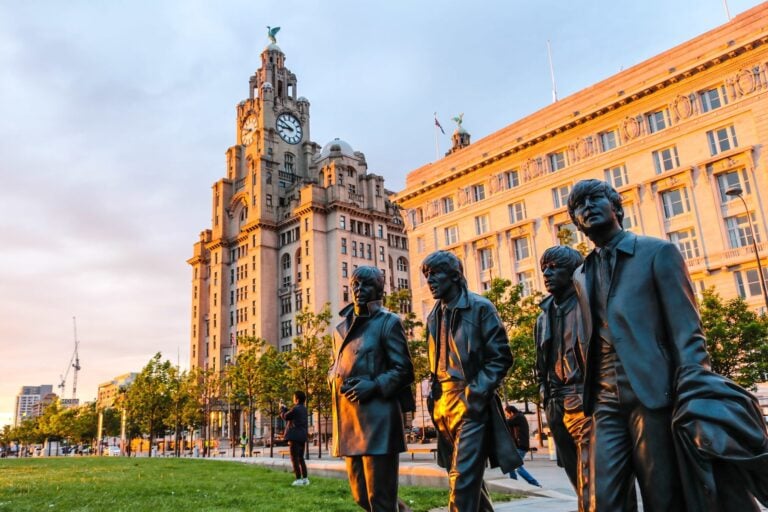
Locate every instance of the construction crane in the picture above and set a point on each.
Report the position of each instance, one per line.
(74, 362)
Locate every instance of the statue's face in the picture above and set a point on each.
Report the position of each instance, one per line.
(557, 279)
(364, 291)
(595, 212)
(442, 284)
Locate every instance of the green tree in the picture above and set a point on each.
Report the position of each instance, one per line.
(242, 380)
(271, 383)
(148, 398)
(566, 236)
(400, 302)
(205, 386)
(180, 393)
(518, 314)
(737, 339)
(310, 360)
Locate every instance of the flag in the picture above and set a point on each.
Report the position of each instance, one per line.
(437, 123)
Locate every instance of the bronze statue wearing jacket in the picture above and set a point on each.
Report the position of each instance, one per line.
(370, 388)
(468, 356)
(641, 321)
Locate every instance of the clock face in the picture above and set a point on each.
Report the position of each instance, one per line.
(248, 133)
(289, 128)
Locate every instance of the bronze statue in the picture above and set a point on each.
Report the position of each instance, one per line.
(272, 33)
(640, 320)
(560, 355)
(370, 386)
(468, 358)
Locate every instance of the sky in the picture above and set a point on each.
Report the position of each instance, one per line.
(115, 118)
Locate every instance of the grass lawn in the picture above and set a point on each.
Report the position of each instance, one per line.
(114, 484)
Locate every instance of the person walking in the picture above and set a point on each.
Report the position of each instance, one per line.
(296, 435)
(518, 426)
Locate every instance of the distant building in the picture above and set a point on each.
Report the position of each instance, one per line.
(26, 400)
(671, 134)
(110, 390)
(290, 223)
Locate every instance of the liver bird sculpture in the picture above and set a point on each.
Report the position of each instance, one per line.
(271, 33)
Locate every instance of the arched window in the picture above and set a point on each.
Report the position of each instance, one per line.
(402, 264)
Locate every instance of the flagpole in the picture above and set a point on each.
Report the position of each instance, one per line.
(727, 11)
(437, 141)
(552, 72)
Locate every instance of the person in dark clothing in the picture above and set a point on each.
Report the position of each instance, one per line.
(296, 435)
(518, 426)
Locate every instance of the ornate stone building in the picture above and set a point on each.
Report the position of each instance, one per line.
(672, 134)
(290, 222)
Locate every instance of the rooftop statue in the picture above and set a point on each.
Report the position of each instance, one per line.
(272, 32)
(458, 120)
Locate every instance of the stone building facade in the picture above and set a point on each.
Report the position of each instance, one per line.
(671, 134)
(290, 221)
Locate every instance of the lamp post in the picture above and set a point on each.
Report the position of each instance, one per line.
(737, 191)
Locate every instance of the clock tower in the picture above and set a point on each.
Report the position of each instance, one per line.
(290, 221)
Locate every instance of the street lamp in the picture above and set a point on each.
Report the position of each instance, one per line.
(737, 191)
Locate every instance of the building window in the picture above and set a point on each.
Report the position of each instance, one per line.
(344, 269)
(722, 139)
(486, 259)
(478, 192)
(675, 202)
(367, 251)
(286, 329)
(402, 264)
(748, 282)
(309, 297)
(740, 228)
(712, 99)
(288, 163)
(269, 200)
(343, 222)
(447, 204)
(380, 231)
(481, 224)
(354, 249)
(352, 190)
(557, 160)
(381, 253)
(665, 159)
(512, 179)
(298, 301)
(730, 179)
(630, 221)
(616, 176)
(657, 120)
(608, 140)
(567, 234)
(345, 293)
(402, 283)
(685, 240)
(560, 195)
(516, 211)
(343, 246)
(526, 279)
(420, 245)
(522, 249)
(451, 235)
(285, 305)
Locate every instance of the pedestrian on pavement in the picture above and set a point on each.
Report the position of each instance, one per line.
(296, 435)
(518, 426)
(243, 443)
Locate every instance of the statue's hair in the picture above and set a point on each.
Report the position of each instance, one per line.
(447, 262)
(587, 187)
(370, 273)
(564, 256)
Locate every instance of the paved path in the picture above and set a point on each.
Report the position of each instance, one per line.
(555, 495)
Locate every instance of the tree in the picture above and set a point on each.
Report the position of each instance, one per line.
(737, 339)
(271, 386)
(518, 314)
(180, 389)
(148, 398)
(400, 302)
(204, 385)
(310, 360)
(567, 237)
(242, 379)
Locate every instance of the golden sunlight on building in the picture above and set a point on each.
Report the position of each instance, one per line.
(671, 134)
